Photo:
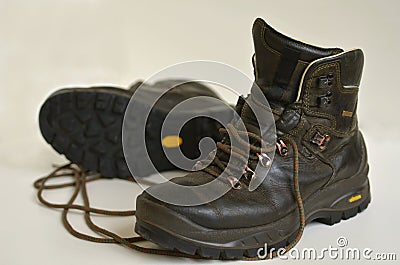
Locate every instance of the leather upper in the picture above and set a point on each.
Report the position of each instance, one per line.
(322, 122)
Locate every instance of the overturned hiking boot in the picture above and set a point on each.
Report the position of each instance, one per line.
(85, 124)
(319, 171)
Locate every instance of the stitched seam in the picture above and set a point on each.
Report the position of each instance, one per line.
(275, 111)
(340, 89)
(263, 28)
(296, 130)
(307, 95)
(243, 109)
(290, 111)
(303, 62)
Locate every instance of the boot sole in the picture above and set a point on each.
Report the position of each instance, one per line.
(85, 125)
(324, 206)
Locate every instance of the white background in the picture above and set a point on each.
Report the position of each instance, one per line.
(48, 44)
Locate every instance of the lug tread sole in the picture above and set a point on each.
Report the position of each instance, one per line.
(85, 125)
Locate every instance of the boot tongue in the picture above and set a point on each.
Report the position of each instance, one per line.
(279, 62)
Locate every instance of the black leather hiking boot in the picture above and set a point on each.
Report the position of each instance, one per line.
(85, 124)
(319, 171)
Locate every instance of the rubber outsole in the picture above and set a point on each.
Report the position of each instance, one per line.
(171, 242)
(338, 201)
(85, 125)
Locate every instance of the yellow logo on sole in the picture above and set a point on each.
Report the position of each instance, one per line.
(355, 198)
(172, 141)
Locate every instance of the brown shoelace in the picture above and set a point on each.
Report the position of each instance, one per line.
(219, 165)
(79, 182)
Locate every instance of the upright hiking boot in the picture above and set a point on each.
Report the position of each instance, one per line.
(85, 124)
(319, 171)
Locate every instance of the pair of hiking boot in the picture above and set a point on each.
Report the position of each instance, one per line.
(319, 171)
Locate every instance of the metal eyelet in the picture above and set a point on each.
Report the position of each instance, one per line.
(320, 140)
(282, 148)
(325, 99)
(235, 183)
(326, 81)
(264, 159)
(248, 172)
(197, 166)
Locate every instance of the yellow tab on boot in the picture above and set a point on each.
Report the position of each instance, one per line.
(346, 113)
(355, 198)
(172, 141)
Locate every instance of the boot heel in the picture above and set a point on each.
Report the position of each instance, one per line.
(334, 216)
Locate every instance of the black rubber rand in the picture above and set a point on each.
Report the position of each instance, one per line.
(85, 125)
(173, 242)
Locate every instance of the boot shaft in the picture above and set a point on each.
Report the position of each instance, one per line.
(279, 63)
(313, 94)
(323, 82)
(329, 90)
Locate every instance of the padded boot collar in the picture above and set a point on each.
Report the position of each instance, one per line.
(279, 62)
